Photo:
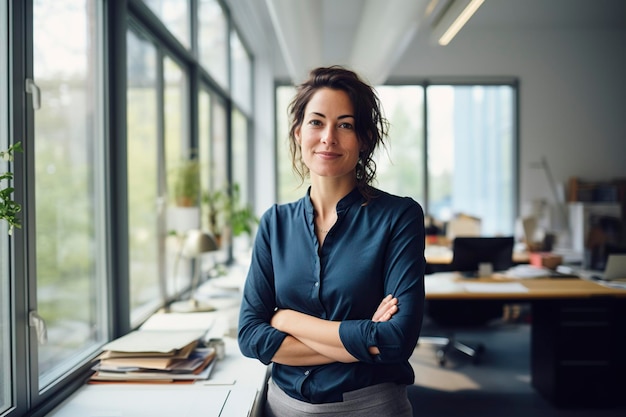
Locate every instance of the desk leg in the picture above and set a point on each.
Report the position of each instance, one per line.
(578, 351)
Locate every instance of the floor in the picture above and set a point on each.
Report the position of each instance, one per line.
(497, 386)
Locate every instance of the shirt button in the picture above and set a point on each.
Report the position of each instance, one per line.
(307, 372)
(317, 284)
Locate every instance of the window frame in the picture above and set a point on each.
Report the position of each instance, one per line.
(26, 398)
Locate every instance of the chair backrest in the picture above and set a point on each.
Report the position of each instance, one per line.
(462, 225)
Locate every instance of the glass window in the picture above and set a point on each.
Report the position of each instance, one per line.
(399, 169)
(144, 202)
(213, 40)
(289, 184)
(471, 154)
(183, 210)
(469, 166)
(175, 15)
(205, 152)
(5, 271)
(69, 183)
(220, 144)
(239, 155)
(219, 165)
(241, 73)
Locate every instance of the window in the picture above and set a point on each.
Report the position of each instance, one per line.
(205, 153)
(461, 159)
(471, 154)
(289, 188)
(69, 182)
(95, 221)
(175, 15)
(144, 200)
(241, 73)
(213, 40)
(240, 153)
(396, 168)
(6, 363)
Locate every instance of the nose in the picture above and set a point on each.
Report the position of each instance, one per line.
(328, 135)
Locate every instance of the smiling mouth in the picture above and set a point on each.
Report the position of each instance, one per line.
(328, 154)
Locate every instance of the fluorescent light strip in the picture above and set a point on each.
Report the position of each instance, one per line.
(460, 21)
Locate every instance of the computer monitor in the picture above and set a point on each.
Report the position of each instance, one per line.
(469, 252)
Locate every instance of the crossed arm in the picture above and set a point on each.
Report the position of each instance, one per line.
(315, 341)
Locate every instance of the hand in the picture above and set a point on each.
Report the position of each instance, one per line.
(386, 309)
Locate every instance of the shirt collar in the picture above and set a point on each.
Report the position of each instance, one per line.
(350, 199)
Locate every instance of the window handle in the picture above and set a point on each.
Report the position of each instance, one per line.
(36, 321)
(31, 88)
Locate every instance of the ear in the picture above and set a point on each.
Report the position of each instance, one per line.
(297, 136)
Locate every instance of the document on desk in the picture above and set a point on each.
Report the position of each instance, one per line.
(145, 400)
(498, 287)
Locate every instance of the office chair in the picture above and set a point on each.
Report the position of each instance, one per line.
(451, 314)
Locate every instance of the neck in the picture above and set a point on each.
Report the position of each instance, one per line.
(326, 193)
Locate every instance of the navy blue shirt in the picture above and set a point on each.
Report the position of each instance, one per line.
(373, 249)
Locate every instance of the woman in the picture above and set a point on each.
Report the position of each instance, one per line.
(335, 293)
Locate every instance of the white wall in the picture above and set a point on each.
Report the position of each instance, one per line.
(572, 96)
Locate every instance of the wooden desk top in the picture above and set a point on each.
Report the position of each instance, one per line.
(452, 286)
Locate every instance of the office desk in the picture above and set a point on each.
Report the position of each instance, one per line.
(578, 335)
(235, 389)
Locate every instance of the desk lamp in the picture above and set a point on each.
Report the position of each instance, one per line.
(195, 245)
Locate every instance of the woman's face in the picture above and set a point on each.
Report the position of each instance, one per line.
(330, 147)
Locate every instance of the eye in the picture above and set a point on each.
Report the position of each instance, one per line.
(346, 125)
(315, 122)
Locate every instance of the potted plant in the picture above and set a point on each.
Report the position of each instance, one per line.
(225, 211)
(242, 218)
(9, 208)
(186, 185)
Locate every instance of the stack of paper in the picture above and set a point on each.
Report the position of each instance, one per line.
(155, 355)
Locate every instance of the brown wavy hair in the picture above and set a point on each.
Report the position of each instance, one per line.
(371, 126)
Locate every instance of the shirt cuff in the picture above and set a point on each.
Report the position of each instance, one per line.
(357, 336)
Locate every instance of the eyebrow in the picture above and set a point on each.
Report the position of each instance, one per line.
(343, 116)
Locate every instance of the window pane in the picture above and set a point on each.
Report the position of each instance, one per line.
(5, 314)
(204, 151)
(176, 134)
(471, 147)
(213, 40)
(143, 198)
(175, 16)
(220, 148)
(182, 215)
(242, 73)
(219, 167)
(240, 154)
(70, 242)
(400, 167)
(289, 188)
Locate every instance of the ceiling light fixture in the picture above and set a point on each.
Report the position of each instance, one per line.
(460, 21)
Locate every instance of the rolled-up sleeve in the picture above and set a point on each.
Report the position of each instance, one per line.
(404, 279)
(256, 337)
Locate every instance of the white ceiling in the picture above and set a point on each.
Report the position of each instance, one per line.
(371, 35)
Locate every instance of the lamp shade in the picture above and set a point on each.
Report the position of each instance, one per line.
(198, 242)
